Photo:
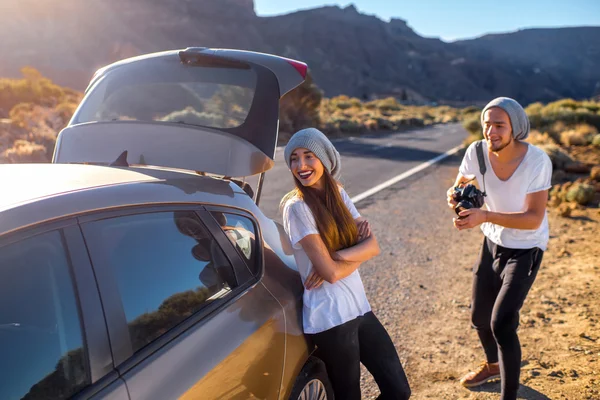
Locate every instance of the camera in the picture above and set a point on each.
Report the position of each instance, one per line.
(467, 197)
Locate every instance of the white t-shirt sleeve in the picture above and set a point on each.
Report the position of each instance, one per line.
(542, 175)
(469, 162)
(351, 207)
(299, 222)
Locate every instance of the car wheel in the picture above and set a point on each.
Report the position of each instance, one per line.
(312, 383)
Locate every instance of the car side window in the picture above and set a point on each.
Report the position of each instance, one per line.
(167, 266)
(41, 341)
(242, 234)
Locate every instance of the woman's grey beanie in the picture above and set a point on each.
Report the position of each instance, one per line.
(315, 141)
(518, 118)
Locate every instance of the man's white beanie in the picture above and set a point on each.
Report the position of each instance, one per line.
(518, 117)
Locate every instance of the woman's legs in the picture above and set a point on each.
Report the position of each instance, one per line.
(365, 340)
(378, 354)
(338, 347)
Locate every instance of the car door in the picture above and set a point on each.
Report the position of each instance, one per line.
(53, 337)
(282, 280)
(186, 317)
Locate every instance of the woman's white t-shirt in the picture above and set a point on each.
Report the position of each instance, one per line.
(329, 305)
(532, 175)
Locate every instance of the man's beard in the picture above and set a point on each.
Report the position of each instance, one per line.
(501, 146)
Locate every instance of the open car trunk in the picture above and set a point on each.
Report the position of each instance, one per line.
(208, 110)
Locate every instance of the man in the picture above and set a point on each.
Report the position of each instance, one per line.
(515, 227)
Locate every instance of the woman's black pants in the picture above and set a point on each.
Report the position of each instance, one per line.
(362, 340)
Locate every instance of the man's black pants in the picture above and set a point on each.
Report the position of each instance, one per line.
(501, 282)
(362, 340)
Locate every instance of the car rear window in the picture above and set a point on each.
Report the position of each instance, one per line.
(171, 92)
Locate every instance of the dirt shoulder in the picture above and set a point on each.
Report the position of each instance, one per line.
(420, 289)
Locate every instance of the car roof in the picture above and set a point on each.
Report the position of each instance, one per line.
(34, 193)
(26, 182)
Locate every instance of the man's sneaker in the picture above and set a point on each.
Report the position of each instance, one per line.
(486, 372)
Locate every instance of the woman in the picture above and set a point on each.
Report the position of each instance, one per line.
(330, 241)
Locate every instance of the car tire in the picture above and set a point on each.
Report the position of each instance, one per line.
(312, 383)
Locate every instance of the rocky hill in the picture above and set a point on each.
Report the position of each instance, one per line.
(348, 52)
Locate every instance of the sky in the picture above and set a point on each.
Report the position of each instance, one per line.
(460, 19)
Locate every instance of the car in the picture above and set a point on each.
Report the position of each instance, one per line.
(138, 264)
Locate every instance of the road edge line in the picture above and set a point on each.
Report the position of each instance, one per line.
(405, 174)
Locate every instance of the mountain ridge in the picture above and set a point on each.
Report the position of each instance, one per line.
(348, 52)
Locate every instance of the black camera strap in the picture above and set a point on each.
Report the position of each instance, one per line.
(481, 160)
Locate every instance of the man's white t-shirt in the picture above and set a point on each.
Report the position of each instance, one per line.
(532, 175)
(329, 305)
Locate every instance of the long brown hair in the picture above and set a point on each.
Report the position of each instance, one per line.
(334, 221)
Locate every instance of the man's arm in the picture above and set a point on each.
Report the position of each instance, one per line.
(325, 266)
(531, 218)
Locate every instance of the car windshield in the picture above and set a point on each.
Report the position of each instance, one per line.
(169, 91)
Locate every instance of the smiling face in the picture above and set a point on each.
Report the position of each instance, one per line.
(307, 168)
(497, 130)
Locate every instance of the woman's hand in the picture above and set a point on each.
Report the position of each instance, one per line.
(364, 230)
(313, 281)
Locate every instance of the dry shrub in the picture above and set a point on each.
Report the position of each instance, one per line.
(580, 193)
(34, 110)
(343, 102)
(371, 124)
(568, 111)
(471, 110)
(538, 138)
(24, 151)
(560, 159)
(32, 88)
(595, 173)
(473, 125)
(446, 119)
(580, 135)
(385, 124)
(388, 104)
(65, 110)
(565, 210)
(343, 114)
(555, 130)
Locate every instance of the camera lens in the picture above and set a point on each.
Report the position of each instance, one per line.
(463, 205)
